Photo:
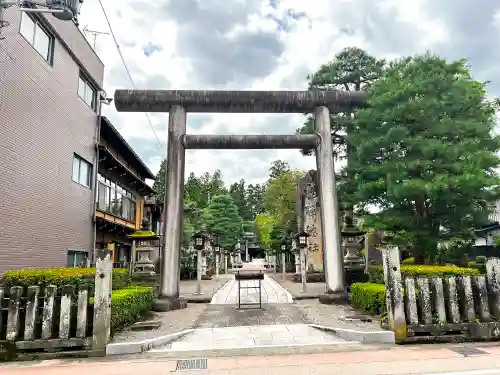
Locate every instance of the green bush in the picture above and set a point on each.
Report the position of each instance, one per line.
(62, 276)
(408, 261)
(479, 264)
(368, 297)
(376, 273)
(128, 305)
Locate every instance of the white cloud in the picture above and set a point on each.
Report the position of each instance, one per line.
(245, 44)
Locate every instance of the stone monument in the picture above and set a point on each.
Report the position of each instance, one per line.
(309, 220)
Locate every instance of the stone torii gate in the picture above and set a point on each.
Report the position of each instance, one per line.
(179, 102)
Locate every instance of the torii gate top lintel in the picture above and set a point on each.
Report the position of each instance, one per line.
(225, 101)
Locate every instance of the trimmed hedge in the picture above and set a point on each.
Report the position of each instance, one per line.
(128, 305)
(369, 297)
(62, 276)
(377, 272)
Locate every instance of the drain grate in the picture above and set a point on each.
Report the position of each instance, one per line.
(192, 364)
(469, 351)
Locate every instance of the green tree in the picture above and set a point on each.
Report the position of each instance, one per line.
(222, 219)
(160, 182)
(254, 198)
(265, 223)
(425, 152)
(277, 168)
(238, 192)
(353, 69)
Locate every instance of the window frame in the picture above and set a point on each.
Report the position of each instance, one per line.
(88, 85)
(112, 189)
(81, 161)
(74, 253)
(38, 26)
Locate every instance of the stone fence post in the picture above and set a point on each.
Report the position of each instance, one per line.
(394, 291)
(102, 300)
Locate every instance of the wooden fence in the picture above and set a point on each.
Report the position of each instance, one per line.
(442, 309)
(51, 319)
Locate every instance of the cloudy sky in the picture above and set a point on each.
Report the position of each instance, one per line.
(268, 44)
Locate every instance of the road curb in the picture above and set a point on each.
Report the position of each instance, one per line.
(135, 347)
(365, 337)
(255, 351)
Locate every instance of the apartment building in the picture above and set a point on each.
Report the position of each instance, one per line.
(50, 100)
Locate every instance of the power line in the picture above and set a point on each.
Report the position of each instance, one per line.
(126, 67)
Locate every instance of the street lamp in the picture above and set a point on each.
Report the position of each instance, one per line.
(302, 239)
(199, 241)
(302, 242)
(217, 257)
(283, 259)
(199, 244)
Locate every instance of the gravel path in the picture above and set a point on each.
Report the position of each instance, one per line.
(295, 289)
(334, 316)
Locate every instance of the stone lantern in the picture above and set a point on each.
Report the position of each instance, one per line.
(353, 261)
(145, 243)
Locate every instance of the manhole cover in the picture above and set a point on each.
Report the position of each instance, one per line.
(361, 318)
(469, 351)
(191, 364)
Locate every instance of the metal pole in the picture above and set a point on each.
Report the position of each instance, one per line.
(174, 194)
(283, 265)
(217, 261)
(246, 252)
(329, 212)
(303, 273)
(225, 264)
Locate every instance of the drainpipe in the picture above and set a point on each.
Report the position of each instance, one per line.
(102, 100)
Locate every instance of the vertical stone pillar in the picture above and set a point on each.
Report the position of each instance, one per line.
(493, 279)
(303, 269)
(283, 265)
(439, 300)
(199, 270)
(425, 299)
(479, 283)
(450, 283)
(411, 300)
(102, 299)
(394, 291)
(172, 213)
(217, 264)
(328, 203)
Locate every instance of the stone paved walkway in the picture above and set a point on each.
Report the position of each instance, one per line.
(252, 337)
(215, 316)
(271, 292)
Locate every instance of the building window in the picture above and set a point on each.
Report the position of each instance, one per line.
(87, 92)
(82, 171)
(76, 258)
(38, 36)
(115, 199)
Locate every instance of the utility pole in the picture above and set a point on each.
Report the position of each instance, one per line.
(94, 33)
